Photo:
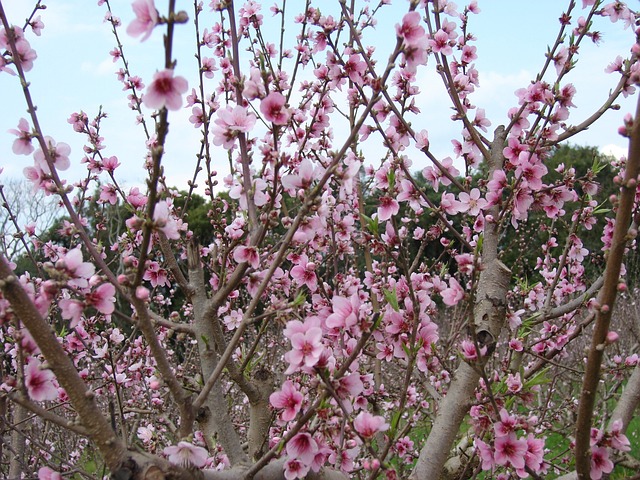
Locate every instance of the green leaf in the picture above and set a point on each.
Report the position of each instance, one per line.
(391, 178)
(392, 298)
(539, 378)
(372, 224)
(395, 420)
(299, 300)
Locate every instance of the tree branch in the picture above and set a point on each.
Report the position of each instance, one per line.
(606, 300)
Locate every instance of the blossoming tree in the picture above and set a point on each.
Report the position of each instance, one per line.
(347, 317)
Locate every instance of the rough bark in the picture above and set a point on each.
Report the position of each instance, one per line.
(260, 415)
(213, 417)
(18, 442)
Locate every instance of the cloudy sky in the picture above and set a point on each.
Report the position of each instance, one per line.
(75, 72)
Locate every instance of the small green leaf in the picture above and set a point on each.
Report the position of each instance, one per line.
(392, 298)
(299, 300)
(539, 378)
(391, 178)
(372, 224)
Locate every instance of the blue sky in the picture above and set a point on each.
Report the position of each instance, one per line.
(74, 71)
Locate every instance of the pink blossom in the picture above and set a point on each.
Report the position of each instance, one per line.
(165, 90)
(103, 298)
(302, 447)
(452, 294)
(274, 110)
(197, 116)
(59, 153)
(71, 310)
(247, 254)
(136, 198)
(388, 208)
(146, 19)
(534, 458)
(145, 433)
(345, 312)
(186, 454)
(410, 30)
(22, 144)
(305, 273)
(230, 123)
(422, 140)
(142, 293)
(470, 352)
(514, 383)
(45, 473)
(110, 164)
(471, 202)
(486, 454)
(301, 180)
(254, 86)
(612, 337)
(260, 197)
(439, 43)
(78, 270)
(509, 450)
(39, 382)
(289, 399)
(468, 54)
(108, 193)
(416, 54)
(354, 67)
(619, 440)
(208, 66)
(615, 66)
(236, 229)
(37, 25)
(530, 169)
(26, 54)
(367, 425)
(349, 386)
(600, 462)
(164, 221)
(450, 205)
(307, 347)
(506, 425)
(481, 120)
(156, 275)
(294, 468)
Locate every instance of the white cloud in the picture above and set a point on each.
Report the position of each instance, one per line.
(614, 150)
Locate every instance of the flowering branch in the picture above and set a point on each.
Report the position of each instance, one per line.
(606, 299)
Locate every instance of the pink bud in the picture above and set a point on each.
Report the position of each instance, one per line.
(142, 293)
(612, 337)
